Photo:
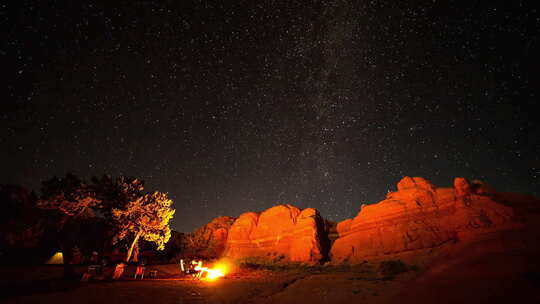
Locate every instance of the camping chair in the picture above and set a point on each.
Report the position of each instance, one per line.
(90, 272)
(118, 271)
(140, 271)
(93, 269)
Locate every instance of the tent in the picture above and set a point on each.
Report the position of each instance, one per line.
(57, 258)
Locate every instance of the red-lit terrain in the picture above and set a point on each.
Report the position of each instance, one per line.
(423, 244)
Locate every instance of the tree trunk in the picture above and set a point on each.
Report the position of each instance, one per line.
(67, 255)
(66, 233)
(135, 254)
(135, 240)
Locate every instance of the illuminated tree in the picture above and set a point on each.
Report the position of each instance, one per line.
(74, 200)
(116, 193)
(69, 195)
(146, 217)
(120, 203)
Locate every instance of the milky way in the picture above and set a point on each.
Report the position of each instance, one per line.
(237, 107)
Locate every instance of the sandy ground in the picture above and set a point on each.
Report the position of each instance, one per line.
(462, 275)
(246, 286)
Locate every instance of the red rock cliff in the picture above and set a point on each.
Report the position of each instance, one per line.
(281, 232)
(419, 215)
(209, 240)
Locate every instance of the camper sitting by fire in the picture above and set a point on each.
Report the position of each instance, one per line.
(196, 270)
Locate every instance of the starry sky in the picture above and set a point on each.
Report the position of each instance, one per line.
(240, 105)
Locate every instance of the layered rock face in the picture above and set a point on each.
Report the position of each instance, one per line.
(419, 215)
(281, 232)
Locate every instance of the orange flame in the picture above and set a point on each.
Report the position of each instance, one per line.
(211, 274)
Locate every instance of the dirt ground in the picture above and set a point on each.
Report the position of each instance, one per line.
(337, 285)
(458, 276)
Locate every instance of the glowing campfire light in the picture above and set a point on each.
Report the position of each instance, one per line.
(214, 274)
(218, 271)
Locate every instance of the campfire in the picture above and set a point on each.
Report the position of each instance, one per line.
(200, 272)
(209, 273)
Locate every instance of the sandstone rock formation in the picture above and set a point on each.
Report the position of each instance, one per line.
(209, 240)
(419, 215)
(283, 232)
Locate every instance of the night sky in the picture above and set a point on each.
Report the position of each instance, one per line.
(242, 105)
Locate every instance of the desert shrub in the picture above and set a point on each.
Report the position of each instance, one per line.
(277, 262)
(389, 269)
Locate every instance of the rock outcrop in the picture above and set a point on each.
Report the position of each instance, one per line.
(283, 232)
(208, 241)
(420, 215)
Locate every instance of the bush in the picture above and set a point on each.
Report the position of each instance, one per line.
(389, 269)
